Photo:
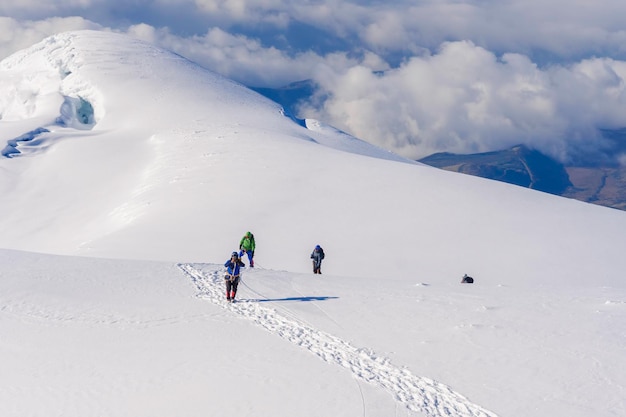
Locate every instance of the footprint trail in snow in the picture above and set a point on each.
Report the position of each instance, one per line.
(417, 393)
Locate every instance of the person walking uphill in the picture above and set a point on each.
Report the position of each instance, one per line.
(247, 246)
(233, 266)
(317, 256)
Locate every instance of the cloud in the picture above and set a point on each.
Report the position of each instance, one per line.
(561, 29)
(465, 99)
(16, 35)
(274, 12)
(545, 31)
(246, 59)
(32, 8)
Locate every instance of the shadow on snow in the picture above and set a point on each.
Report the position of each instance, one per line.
(265, 300)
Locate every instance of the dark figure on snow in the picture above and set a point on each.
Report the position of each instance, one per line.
(467, 279)
(317, 256)
(233, 267)
(247, 245)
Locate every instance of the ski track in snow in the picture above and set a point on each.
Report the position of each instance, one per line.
(417, 393)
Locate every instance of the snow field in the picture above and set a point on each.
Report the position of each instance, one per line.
(431, 398)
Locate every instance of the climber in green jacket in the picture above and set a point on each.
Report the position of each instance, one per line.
(247, 245)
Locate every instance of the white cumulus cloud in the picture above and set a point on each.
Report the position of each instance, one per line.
(466, 99)
(18, 34)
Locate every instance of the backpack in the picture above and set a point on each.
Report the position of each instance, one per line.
(467, 280)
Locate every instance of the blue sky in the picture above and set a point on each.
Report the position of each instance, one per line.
(415, 77)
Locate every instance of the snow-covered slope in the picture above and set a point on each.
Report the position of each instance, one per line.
(174, 155)
(112, 148)
(176, 163)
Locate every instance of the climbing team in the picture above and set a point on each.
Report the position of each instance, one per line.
(247, 245)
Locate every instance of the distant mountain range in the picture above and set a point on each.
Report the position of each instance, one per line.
(601, 182)
(519, 165)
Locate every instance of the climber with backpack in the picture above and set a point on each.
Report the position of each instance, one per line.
(317, 255)
(233, 273)
(247, 246)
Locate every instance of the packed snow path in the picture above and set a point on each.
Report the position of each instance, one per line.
(416, 393)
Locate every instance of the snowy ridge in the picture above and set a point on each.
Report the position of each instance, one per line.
(416, 393)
